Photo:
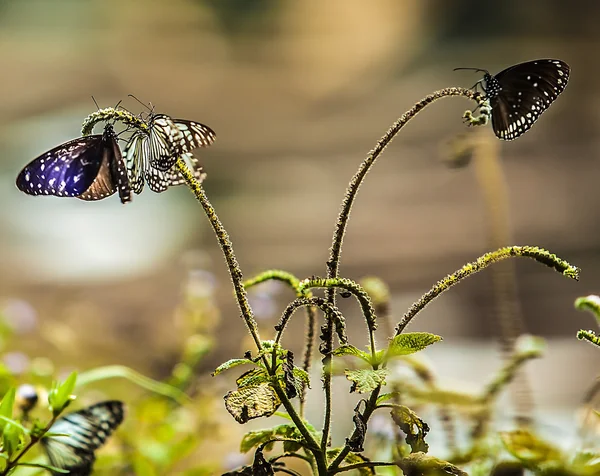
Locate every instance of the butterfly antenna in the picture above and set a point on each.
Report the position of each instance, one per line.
(149, 107)
(94, 99)
(477, 70)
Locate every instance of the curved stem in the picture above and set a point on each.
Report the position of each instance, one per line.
(370, 407)
(538, 254)
(342, 220)
(311, 322)
(111, 113)
(227, 248)
(356, 289)
(327, 308)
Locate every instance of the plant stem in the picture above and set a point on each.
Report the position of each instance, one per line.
(313, 445)
(370, 407)
(111, 113)
(32, 441)
(351, 192)
(538, 254)
(366, 464)
(311, 322)
(328, 309)
(227, 248)
(356, 289)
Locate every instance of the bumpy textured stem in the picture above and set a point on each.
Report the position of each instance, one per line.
(227, 248)
(356, 289)
(538, 254)
(309, 337)
(110, 113)
(327, 308)
(342, 220)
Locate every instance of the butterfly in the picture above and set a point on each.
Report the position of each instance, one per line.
(171, 138)
(140, 168)
(520, 94)
(89, 168)
(88, 430)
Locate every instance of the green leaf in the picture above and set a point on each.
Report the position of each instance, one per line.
(253, 439)
(414, 428)
(378, 358)
(11, 437)
(6, 406)
(348, 349)
(529, 449)
(252, 378)
(62, 394)
(45, 466)
(589, 303)
(366, 380)
(352, 458)
(302, 376)
(420, 464)
(411, 342)
(252, 402)
(587, 462)
(231, 364)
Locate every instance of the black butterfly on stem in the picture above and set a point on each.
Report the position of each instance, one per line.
(520, 94)
(89, 168)
(87, 431)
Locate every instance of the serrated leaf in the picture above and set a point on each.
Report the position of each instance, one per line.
(348, 349)
(366, 380)
(252, 402)
(527, 448)
(253, 439)
(231, 364)
(411, 342)
(415, 429)
(302, 376)
(252, 378)
(420, 464)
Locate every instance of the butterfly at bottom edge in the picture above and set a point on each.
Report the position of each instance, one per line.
(87, 430)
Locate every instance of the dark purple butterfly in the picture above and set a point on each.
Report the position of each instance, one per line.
(520, 94)
(89, 168)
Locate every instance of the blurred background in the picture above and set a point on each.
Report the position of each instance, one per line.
(298, 93)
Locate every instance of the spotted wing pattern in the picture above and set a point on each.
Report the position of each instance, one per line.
(88, 430)
(520, 94)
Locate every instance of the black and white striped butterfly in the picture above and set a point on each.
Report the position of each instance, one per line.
(89, 168)
(88, 430)
(520, 94)
(140, 168)
(170, 138)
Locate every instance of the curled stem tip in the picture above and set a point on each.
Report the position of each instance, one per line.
(533, 252)
(276, 275)
(110, 113)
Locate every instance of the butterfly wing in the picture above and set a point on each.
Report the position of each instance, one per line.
(65, 171)
(166, 142)
(88, 430)
(175, 176)
(137, 152)
(527, 90)
(194, 134)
